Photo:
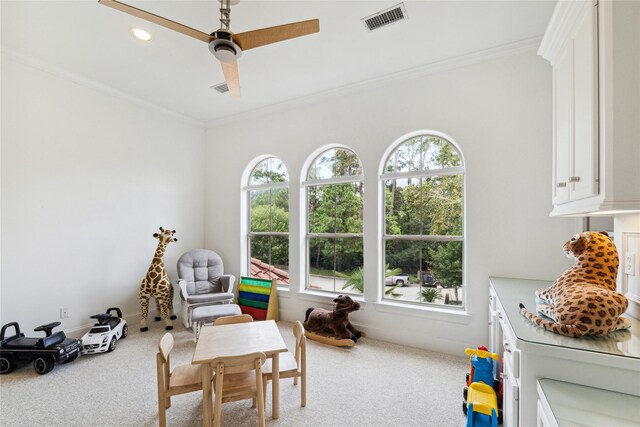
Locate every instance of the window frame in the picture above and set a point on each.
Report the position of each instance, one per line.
(248, 189)
(308, 235)
(385, 237)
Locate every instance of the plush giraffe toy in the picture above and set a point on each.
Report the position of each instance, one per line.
(156, 284)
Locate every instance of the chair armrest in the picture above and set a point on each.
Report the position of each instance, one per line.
(228, 282)
(183, 289)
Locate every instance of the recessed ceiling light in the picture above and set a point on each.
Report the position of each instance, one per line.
(141, 34)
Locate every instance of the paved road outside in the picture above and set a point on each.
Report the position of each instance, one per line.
(408, 292)
(326, 283)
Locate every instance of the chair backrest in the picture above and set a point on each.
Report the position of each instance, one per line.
(241, 384)
(163, 360)
(301, 344)
(226, 320)
(237, 364)
(201, 269)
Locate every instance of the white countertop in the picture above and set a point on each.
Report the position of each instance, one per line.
(511, 292)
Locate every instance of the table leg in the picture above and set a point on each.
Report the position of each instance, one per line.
(275, 386)
(207, 410)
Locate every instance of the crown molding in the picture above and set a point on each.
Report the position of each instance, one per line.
(522, 46)
(562, 24)
(38, 64)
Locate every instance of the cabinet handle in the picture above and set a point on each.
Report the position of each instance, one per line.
(499, 315)
(561, 184)
(505, 345)
(574, 179)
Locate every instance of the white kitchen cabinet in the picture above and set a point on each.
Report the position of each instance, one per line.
(575, 97)
(529, 353)
(595, 57)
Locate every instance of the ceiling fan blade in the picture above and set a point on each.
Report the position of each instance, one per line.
(230, 70)
(148, 16)
(264, 36)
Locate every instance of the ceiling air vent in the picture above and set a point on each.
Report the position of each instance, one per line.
(221, 88)
(385, 17)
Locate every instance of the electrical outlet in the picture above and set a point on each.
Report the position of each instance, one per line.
(630, 263)
(64, 313)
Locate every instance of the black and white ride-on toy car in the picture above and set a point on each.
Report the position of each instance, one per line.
(44, 352)
(104, 335)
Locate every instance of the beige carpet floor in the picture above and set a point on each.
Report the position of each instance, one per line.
(372, 384)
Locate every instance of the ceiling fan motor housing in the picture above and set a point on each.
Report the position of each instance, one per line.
(223, 47)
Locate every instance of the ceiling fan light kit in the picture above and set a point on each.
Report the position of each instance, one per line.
(223, 44)
(224, 48)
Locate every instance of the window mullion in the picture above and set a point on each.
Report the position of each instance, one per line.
(435, 238)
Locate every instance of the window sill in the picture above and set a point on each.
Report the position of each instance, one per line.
(451, 316)
(327, 297)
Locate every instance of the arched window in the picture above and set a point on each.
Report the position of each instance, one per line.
(268, 236)
(334, 222)
(423, 216)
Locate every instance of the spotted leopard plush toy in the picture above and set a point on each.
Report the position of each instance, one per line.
(583, 300)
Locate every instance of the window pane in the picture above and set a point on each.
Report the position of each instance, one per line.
(278, 171)
(280, 210)
(424, 206)
(439, 153)
(349, 206)
(269, 210)
(347, 163)
(323, 166)
(260, 214)
(332, 262)
(405, 158)
(335, 208)
(321, 264)
(443, 205)
(335, 162)
(268, 171)
(423, 153)
(404, 206)
(270, 258)
(260, 174)
(349, 261)
(321, 209)
(434, 271)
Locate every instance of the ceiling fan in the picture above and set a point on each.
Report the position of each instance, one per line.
(226, 46)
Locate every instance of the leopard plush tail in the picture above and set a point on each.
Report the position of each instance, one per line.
(568, 330)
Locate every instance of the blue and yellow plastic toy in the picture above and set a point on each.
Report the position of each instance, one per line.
(481, 400)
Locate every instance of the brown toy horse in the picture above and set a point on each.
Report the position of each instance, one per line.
(334, 322)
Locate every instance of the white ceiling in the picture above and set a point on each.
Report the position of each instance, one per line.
(175, 71)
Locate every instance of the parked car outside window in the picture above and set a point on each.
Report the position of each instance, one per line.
(397, 280)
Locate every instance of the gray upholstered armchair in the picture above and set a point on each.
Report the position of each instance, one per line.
(202, 281)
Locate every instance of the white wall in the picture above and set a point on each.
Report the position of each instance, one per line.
(87, 178)
(626, 229)
(499, 112)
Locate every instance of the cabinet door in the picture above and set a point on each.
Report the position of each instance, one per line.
(584, 170)
(563, 100)
(510, 393)
(575, 111)
(495, 331)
